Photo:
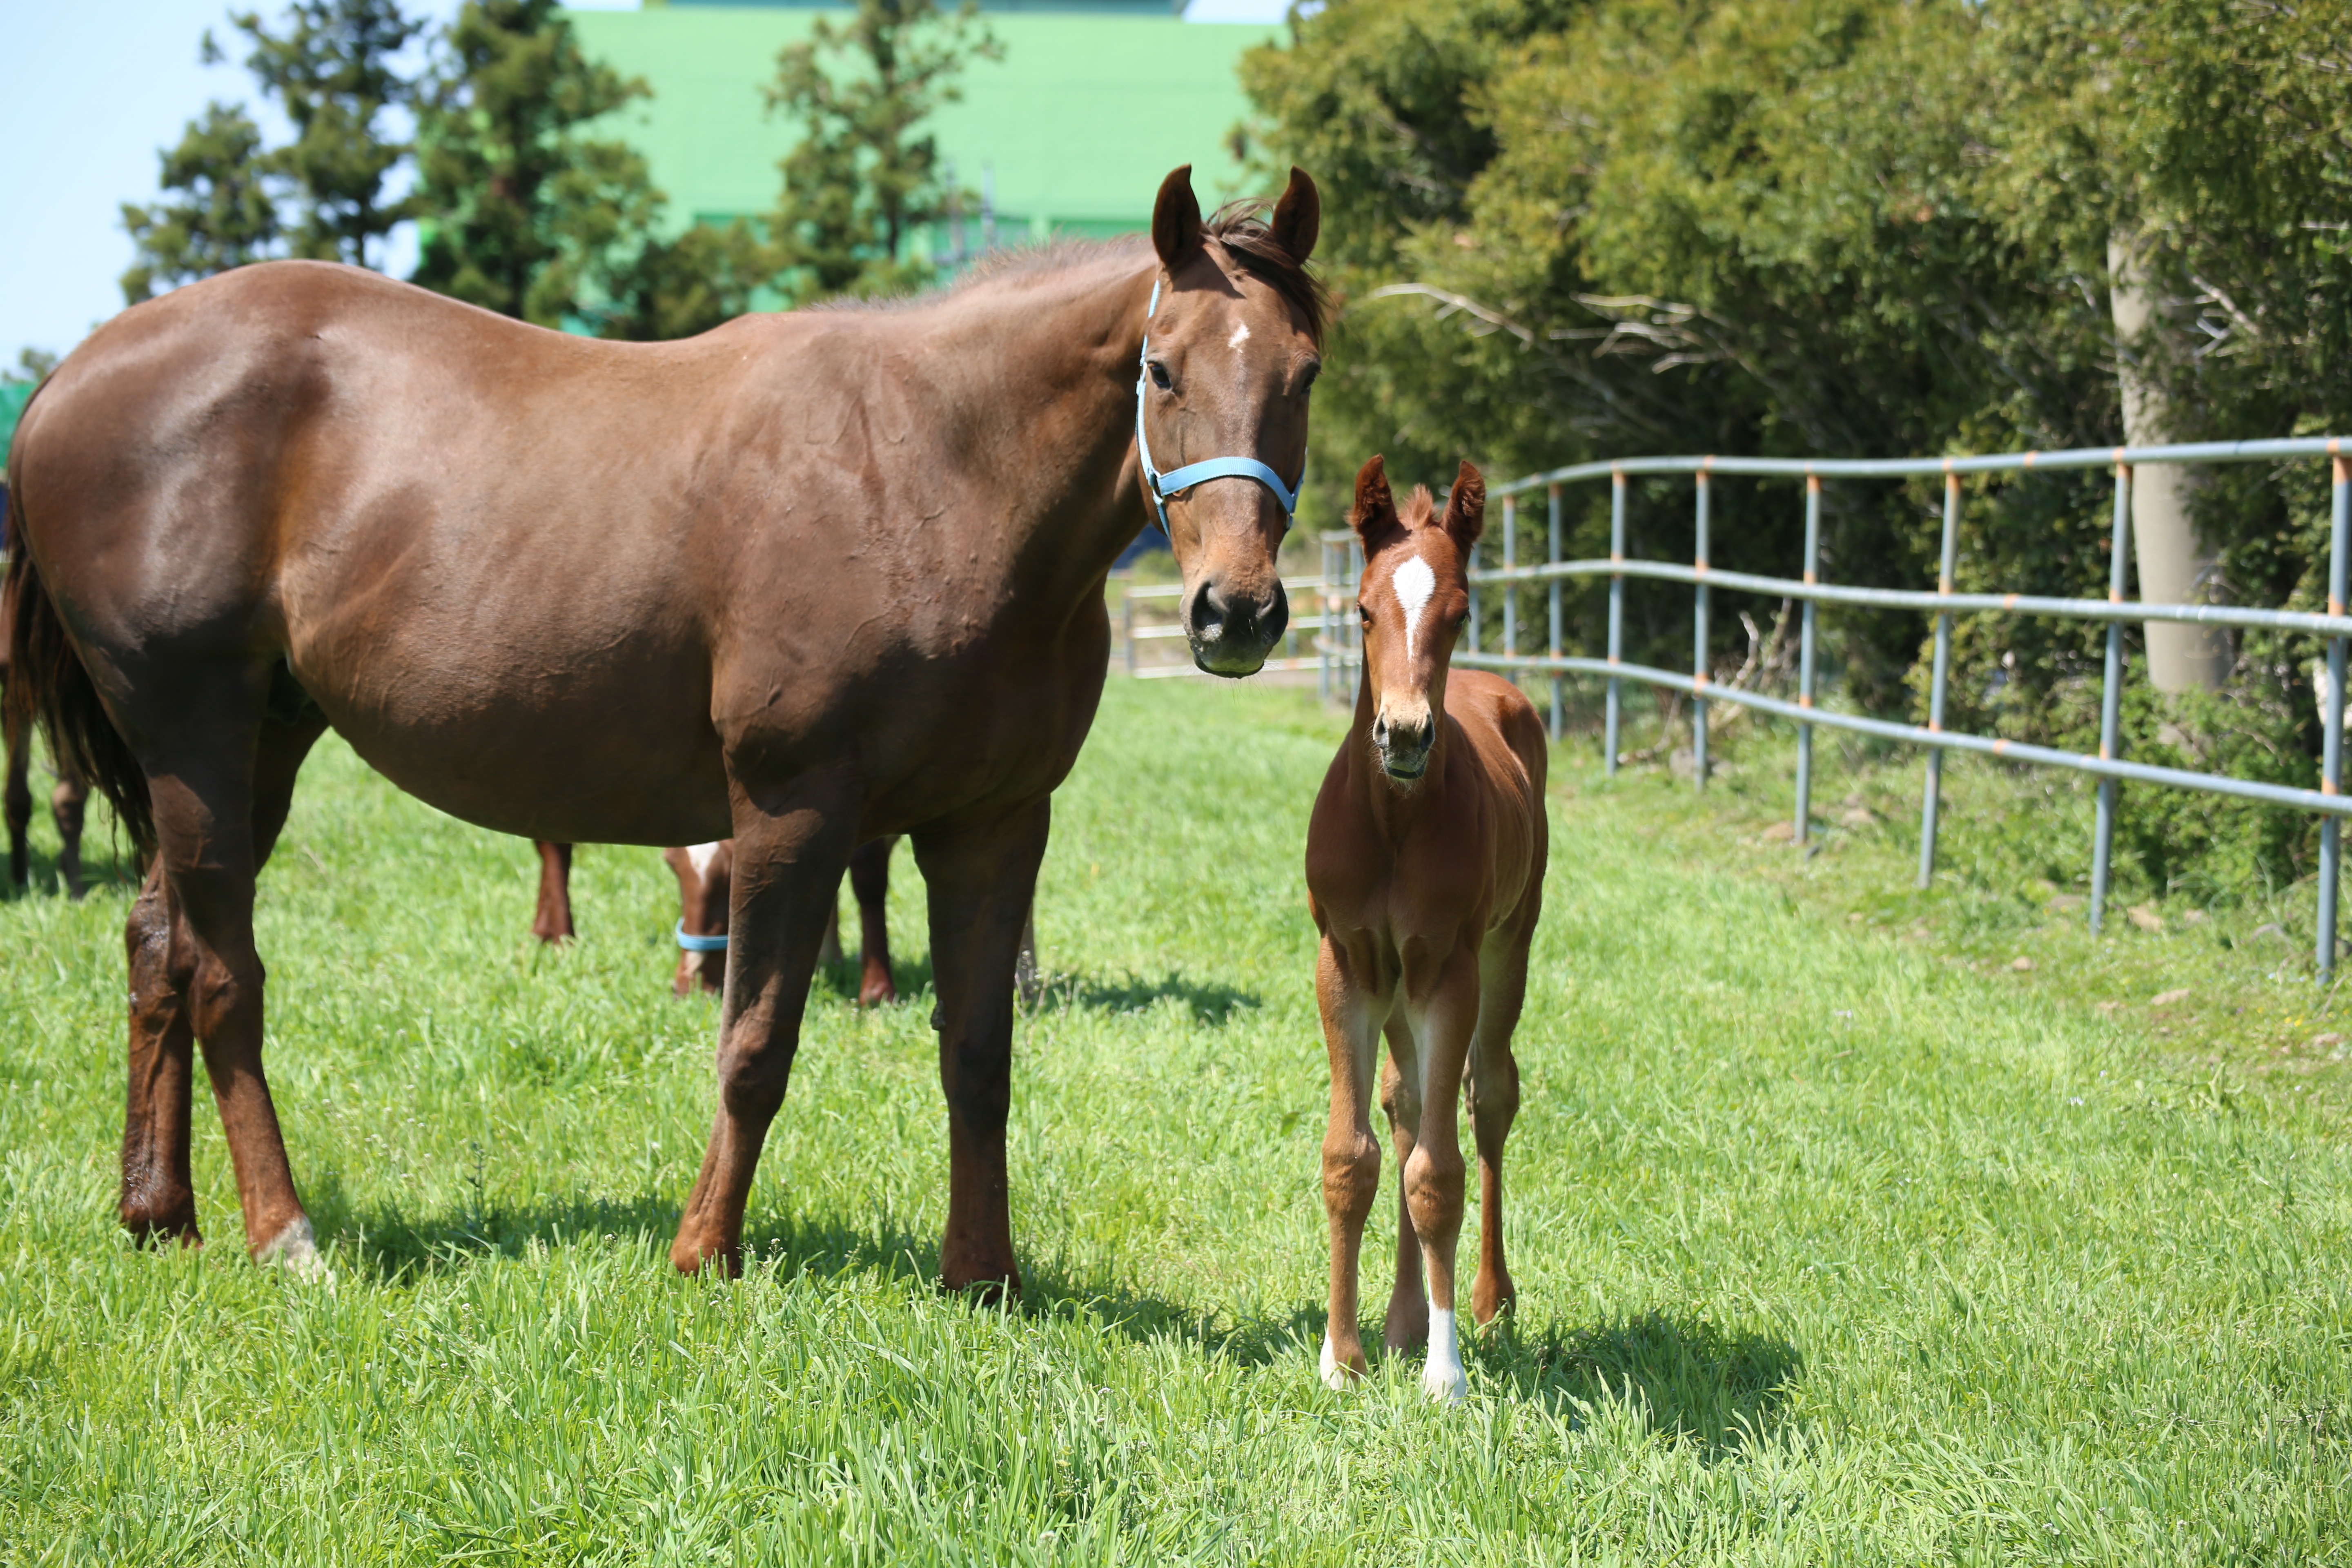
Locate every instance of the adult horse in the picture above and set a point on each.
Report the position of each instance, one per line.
(804, 580)
(66, 802)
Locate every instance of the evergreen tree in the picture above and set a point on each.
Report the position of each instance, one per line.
(334, 70)
(526, 214)
(226, 214)
(861, 181)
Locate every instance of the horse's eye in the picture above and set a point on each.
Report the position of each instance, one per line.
(1159, 376)
(1307, 378)
(1365, 615)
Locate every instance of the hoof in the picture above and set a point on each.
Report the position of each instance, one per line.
(690, 1257)
(154, 1225)
(1489, 1303)
(1407, 1326)
(296, 1249)
(1340, 1376)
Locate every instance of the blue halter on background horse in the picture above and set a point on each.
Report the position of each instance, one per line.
(1163, 487)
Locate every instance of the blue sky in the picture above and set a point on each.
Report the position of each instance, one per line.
(94, 87)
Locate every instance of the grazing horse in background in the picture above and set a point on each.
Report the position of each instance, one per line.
(1424, 871)
(802, 581)
(67, 802)
(705, 875)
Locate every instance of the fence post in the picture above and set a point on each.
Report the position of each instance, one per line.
(1699, 644)
(1551, 558)
(2111, 696)
(1511, 590)
(1616, 610)
(2331, 766)
(1331, 575)
(1355, 671)
(1805, 659)
(1935, 688)
(1127, 619)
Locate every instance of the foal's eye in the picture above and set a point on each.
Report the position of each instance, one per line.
(1364, 615)
(1159, 376)
(1307, 378)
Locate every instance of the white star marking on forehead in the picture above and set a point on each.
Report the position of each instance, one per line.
(1412, 583)
(1240, 336)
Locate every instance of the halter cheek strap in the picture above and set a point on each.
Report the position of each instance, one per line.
(1164, 486)
(699, 943)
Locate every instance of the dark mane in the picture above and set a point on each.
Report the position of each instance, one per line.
(1235, 228)
(1246, 237)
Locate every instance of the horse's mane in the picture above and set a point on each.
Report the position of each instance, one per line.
(1418, 509)
(1235, 228)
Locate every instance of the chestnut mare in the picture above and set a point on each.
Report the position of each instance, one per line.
(804, 580)
(1424, 871)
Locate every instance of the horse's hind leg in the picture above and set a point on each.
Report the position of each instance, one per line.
(869, 879)
(68, 804)
(1491, 1088)
(219, 777)
(17, 803)
(552, 923)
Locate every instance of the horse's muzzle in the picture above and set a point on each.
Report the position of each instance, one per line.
(1231, 633)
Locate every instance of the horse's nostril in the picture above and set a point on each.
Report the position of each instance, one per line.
(1379, 731)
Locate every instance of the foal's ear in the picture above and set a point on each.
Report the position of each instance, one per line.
(1375, 514)
(1176, 219)
(1466, 508)
(1299, 216)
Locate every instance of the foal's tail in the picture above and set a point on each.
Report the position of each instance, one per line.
(47, 683)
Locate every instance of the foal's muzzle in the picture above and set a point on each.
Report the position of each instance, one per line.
(1404, 745)
(1231, 633)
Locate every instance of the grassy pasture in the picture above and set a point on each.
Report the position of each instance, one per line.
(1833, 1248)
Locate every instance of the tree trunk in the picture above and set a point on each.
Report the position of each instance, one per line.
(2175, 567)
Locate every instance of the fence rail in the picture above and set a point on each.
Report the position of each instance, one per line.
(2108, 766)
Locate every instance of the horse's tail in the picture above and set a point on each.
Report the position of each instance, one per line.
(48, 684)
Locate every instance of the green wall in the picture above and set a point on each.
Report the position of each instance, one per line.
(1080, 120)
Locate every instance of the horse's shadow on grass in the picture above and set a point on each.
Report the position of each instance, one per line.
(1718, 1390)
(1208, 1002)
(388, 1246)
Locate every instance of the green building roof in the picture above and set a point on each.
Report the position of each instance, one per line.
(1073, 129)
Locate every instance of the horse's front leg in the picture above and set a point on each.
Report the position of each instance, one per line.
(1351, 1155)
(1433, 1175)
(552, 921)
(981, 876)
(791, 845)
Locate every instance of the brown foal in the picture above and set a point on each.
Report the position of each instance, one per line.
(802, 581)
(1424, 871)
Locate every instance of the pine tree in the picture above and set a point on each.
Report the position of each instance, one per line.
(334, 70)
(227, 214)
(860, 182)
(526, 214)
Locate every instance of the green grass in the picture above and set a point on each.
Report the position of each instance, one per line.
(1834, 1245)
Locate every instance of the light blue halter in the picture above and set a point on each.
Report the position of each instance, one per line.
(699, 943)
(1163, 487)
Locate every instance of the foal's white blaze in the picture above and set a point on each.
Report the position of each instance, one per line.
(1441, 1376)
(1240, 336)
(700, 856)
(1414, 582)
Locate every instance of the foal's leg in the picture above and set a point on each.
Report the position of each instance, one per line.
(869, 879)
(1407, 1326)
(791, 848)
(980, 877)
(1492, 1092)
(554, 921)
(1432, 1176)
(1351, 1155)
(68, 804)
(159, 1200)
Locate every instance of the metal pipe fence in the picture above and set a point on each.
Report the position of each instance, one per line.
(2109, 767)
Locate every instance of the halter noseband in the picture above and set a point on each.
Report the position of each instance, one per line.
(699, 943)
(1163, 487)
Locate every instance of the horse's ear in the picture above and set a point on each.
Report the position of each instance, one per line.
(1374, 514)
(1466, 508)
(1176, 219)
(1299, 216)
